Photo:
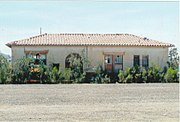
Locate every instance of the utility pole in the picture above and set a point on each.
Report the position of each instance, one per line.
(40, 30)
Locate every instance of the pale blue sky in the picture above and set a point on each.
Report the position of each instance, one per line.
(155, 20)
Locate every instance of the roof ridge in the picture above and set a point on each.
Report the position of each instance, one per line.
(89, 39)
(86, 33)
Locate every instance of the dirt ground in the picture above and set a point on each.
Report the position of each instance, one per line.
(90, 102)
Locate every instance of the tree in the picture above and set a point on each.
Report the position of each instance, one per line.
(4, 69)
(21, 70)
(173, 58)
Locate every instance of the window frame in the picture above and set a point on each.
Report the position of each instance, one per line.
(120, 60)
(134, 62)
(108, 57)
(145, 58)
(34, 57)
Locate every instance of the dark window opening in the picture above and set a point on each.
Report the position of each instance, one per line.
(145, 61)
(136, 60)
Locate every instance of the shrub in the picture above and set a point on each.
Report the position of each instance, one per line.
(45, 75)
(5, 70)
(131, 75)
(121, 76)
(55, 75)
(153, 74)
(80, 79)
(100, 76)
(66, 75)
(21, 70)
(171, 75)
(25, 70)
(129, 79)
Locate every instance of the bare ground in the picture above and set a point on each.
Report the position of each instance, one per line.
(90, 102)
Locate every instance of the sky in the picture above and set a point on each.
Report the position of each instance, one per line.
(23, 19)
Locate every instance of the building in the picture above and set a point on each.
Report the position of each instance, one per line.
(111, 51)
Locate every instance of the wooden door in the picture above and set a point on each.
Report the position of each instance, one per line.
(108, 63)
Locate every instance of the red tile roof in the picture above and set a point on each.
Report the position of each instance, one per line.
(88, 39)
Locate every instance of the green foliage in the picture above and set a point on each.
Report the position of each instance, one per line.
(76, 65)
(46, 75)
(100, 76)
(5, 70)
(21, 70)
(80, 79)
(153, 74)
(25, 70)
(171, 75)
(55, 75)
(131, 75)
(66, 74)
(122, 76)
(173, 58)
(129, 78)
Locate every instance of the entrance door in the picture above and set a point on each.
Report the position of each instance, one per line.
(113, 63)
(108, 63)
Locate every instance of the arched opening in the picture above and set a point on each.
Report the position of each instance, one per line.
(73, 60)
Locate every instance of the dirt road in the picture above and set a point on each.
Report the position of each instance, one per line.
(90, 102)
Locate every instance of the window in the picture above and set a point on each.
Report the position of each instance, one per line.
(108, 59)
(43, 58)
(118, 59)
(37, 57)
(145, 61)
(136, 60)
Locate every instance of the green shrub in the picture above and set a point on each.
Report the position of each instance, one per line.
(21, 70)
(5, 70)
(129, 79)
(80, 79)
(153, 74)
(100, 76)
(121, 76)
(25, 70)
(131, 75)
(55, 75)
(45, 75)
(66, 74)
(171, 75)
(106, 79)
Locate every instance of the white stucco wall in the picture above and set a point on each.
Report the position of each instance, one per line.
(157, 55)
(57, 54)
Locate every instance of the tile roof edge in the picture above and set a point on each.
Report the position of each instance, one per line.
(10, 44)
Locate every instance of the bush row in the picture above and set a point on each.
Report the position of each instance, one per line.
(23, 71)
(153, 74)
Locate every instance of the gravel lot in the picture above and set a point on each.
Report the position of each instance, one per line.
(90, 102)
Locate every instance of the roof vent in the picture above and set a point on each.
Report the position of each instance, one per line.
(145, 38)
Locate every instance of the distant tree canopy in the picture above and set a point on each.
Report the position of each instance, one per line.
(173, 58)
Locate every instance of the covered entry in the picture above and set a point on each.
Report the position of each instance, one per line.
(113, 62)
